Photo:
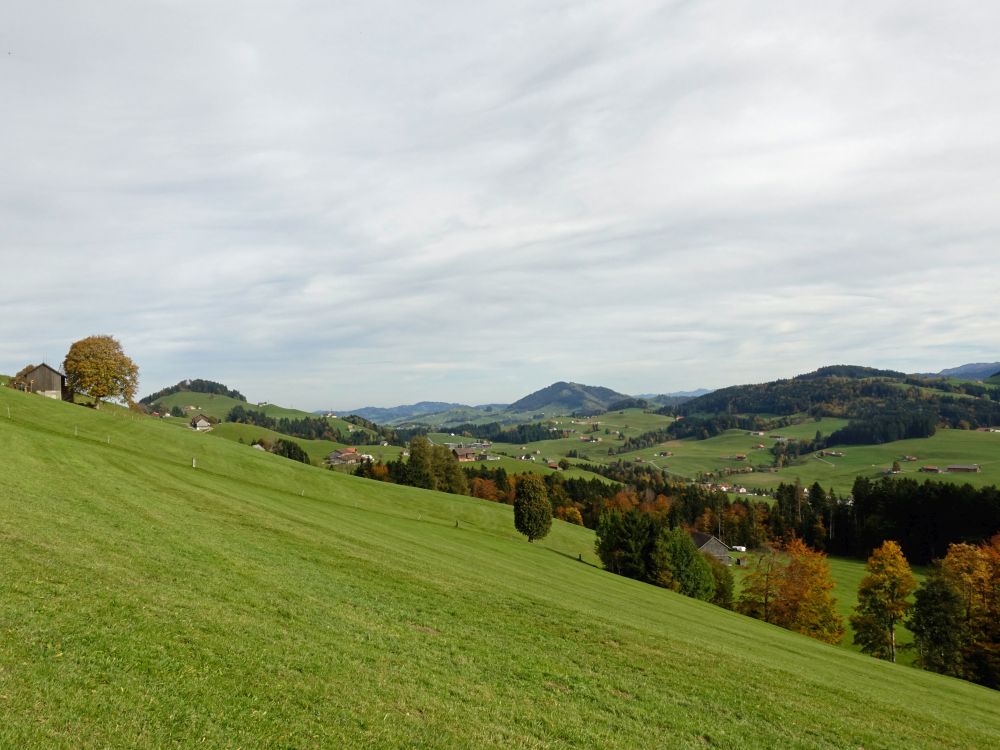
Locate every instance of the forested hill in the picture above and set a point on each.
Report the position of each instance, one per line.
(883, 405)
(195, 386)
(568, 397)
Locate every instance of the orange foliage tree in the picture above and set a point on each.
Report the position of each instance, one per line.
(794, 594)
(98, 367)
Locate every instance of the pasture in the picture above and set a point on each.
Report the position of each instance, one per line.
(256, 602)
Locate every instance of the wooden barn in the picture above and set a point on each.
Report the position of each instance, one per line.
(711, 545)
(43, 380)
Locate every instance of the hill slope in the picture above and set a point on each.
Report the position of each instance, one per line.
(256, 602)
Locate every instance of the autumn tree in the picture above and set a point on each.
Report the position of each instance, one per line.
(485, 489)
(532, 509)
(804, 603)
(794, 594)
(974, 572)
(570, 514)
(882, 601)
(98, 367)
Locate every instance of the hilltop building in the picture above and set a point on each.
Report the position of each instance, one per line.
(43, 380)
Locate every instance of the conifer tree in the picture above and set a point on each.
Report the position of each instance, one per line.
(532, 509)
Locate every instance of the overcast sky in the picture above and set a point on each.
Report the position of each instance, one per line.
(377, 202)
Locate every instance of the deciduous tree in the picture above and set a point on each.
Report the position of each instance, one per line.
(98, 367)
(804, 602)
(883, 601)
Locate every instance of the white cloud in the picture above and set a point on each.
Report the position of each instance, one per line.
(468, 201)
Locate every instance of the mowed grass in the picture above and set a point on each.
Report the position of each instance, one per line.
(256, 602)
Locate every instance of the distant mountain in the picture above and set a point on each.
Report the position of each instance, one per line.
(568, 397)
(975, 371)
(386, 415)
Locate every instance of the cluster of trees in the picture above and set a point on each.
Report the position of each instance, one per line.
(196, 386)
(703, 427)
(792, 588)
(647, 548)
(308, 428)
(956, 616)
(430, 467)
(978, 390)
(924, 517)
(498, 433)
(281, 447)
(886, 427)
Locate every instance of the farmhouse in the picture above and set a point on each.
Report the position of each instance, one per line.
(711, 545)
(964, 469)
(930, 469)
(201, 423)
(43, 380)
(344, 456)
(465, 454)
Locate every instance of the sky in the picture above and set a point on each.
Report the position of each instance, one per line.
(332, 205)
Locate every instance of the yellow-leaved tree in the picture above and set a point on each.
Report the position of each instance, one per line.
(98, 367)
(883, 601)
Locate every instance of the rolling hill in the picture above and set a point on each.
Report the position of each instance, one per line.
(256, 602)
(567, 398)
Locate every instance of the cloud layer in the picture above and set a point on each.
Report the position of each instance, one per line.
(337, 204)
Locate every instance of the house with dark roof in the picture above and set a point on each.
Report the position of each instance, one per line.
(711, 545)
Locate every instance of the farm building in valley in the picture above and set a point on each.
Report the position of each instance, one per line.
(347, 456)
(711, 545)
(43, 380)
(964, 469)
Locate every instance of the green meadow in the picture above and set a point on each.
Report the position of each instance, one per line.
(256, 602)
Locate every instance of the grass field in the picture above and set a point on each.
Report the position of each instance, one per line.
(257, 602)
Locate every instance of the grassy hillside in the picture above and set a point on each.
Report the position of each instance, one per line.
(218, 406)
(256, 602)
